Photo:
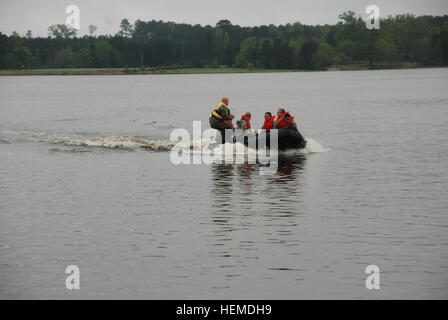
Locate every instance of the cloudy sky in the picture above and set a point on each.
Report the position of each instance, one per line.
(23, 15)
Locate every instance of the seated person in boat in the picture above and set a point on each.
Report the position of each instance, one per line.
(280, 114)
(244, 123)
(268, 122)
(285, 120)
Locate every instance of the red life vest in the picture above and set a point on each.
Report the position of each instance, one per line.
(269, 124)
(247, 120)
(283, 123)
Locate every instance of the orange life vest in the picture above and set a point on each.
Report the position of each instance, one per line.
(247, 120)
(269, 124)
(283, 123)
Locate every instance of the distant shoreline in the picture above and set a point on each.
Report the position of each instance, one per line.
(174, 70)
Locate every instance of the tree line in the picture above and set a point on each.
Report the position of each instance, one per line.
(421, 40)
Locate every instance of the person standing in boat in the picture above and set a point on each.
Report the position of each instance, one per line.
(221, 118)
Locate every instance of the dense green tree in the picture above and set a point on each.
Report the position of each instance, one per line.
(83, 58)
(306, 54)
(126, 29)
(24, 55)
(347, 48)
(92, 29)
(61, 31)
(224, 24)
(221, 45)
(247, 56)
(443, 46)
(324, 56)
(102, 53)
(348, 17)
(266, 51)
(293, 53)
(116, 60)
(12, 61)
(406, 38)
(64, 58)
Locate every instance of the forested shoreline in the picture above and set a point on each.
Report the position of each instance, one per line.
(401, 40)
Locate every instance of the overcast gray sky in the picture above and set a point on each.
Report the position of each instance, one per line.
(37, 15)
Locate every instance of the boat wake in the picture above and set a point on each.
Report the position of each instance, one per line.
(134, 143)
(122, 143)
(141, 143)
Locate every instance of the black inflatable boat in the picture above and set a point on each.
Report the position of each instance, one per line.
(287, 139)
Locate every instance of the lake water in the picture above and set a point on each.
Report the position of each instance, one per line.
(86, 180)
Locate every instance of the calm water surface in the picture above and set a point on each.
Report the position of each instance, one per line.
(86, 179)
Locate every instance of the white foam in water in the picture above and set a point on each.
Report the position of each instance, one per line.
(233, 148)
(196, 146)
(119, 143)
(312, 146)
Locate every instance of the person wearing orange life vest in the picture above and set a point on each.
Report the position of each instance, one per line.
(268, 122)
(280, 113)
(221, 118)
(285, 120)
(244, 123)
